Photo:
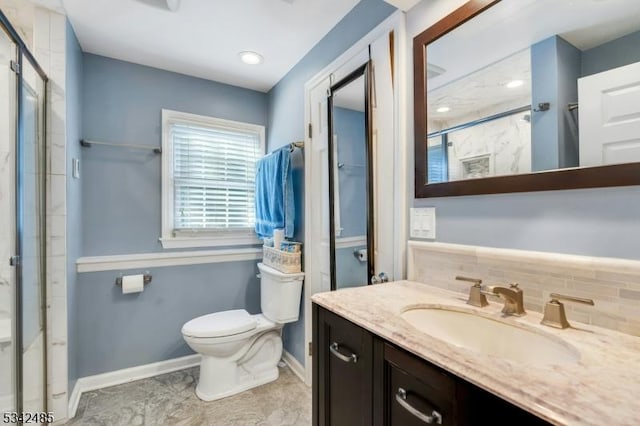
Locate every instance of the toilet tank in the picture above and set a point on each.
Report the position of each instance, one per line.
(280, 294)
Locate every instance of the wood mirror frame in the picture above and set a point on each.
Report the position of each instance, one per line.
(570, 178)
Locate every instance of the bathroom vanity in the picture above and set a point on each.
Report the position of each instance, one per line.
(374, 365)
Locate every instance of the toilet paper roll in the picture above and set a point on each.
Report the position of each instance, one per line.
(132, 284)
(361, 255)
(278, 237)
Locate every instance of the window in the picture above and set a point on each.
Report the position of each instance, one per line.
(208, 180)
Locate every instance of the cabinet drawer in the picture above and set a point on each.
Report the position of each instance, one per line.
(417, 392)
(345, 382)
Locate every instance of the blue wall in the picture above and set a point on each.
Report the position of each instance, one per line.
(569, 68)
(555, 69)
(349, 128)
(350, 272)
(74, 191)
(122, 102)
(118, 331)
(590, 222)
(616, 53)
(286, 113)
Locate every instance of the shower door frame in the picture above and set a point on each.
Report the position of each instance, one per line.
(22, 51)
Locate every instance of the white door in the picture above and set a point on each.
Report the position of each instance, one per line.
(610, 116)
(316, 265)
(384, 154)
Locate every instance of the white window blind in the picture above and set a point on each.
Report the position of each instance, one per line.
(214, 172)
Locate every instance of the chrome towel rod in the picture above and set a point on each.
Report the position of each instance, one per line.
(87, 144)
(294, 145)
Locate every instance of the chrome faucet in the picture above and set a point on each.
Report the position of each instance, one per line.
(513, 298)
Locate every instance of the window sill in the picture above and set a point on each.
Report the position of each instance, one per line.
(217, 241)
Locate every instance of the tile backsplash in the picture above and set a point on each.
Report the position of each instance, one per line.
(613, 284)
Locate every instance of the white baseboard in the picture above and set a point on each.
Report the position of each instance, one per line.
(294, 365)
(74, 400)
(118, 377)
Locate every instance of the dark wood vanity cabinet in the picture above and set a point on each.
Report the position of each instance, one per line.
(344, 386)
(360, 379)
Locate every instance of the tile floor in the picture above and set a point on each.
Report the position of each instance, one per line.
(170, 399)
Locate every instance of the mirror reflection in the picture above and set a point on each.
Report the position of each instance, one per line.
(350, 184)
(535, 85)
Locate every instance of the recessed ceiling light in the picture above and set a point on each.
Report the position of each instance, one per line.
(250, 58)
(173, 5)
(443, 109)
(515, 83)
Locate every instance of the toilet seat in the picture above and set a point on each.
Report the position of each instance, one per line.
(220, 324)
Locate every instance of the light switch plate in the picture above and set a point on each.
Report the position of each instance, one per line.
(423, 223)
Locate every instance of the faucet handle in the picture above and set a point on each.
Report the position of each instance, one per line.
(476, 298)
(555, 297)
(554, 313)
(514, 286)
(476, 281)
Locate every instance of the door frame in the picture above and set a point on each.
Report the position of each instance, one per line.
(313, 284)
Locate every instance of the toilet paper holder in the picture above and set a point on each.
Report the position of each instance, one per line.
(146, 279)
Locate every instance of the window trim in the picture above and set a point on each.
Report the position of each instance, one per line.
(206, 239)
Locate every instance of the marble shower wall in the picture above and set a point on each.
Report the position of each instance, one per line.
(614, 284)
(505, 143)
(44, 31)
(49, 50)
(7, 231)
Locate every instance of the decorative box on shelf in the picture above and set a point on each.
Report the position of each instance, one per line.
(283, 261)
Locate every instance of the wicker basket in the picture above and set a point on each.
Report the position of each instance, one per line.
(283, 261)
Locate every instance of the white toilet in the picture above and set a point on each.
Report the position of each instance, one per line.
(241, 351)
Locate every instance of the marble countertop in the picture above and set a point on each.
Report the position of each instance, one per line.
(603, 387)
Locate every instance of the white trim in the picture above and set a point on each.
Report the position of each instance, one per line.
(225, 239)
(74, 400)
(347, 242)
(403, 167)
(126, 375)
(162, 259)
(295, 366)
(167, 238)
(395, 22)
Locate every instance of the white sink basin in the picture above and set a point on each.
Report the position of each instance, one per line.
(491, 337)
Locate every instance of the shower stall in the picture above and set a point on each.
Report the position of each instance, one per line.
(23, 89)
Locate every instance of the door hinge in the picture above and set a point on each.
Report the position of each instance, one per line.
(310, 348)
(14, 260)
(15, 67)
(310, 131)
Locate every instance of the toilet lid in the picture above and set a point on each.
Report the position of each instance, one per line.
(220, 324)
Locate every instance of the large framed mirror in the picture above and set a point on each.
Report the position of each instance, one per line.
(350, 157)
(528, 95)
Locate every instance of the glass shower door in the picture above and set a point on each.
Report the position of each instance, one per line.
(31, 214)
(8, 81)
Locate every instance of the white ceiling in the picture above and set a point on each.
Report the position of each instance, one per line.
(203, 38)
(484, 92)
(514, 25)
(351, 96)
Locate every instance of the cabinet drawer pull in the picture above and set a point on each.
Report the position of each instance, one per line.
(335, 350)
(434, 418)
